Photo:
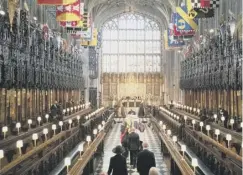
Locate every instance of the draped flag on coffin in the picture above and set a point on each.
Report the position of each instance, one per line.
(55, 2)
(70, 12)
(199, 9)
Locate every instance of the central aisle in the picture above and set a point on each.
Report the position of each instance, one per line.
(113, 139)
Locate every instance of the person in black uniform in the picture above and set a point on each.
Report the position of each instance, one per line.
(133, 146)
(118, 164)
(145, 161)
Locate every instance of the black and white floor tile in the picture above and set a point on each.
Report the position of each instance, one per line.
(113, 139)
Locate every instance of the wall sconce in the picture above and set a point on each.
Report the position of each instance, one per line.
(164, 127)
(70, 123)
(201, 125)
(35, 18)
(4, 130)
(185, 118)
(47, 117)
(198, 111)
(19, 145)
(223, 118)
(208, 128)
(193, 123)
(211, 30)
(81, 149)
(78, 118)
(160, 123)
(88, 139)
(232, 24)
(35, 137)
(99, 127)
(228, 138)
(54, 127)
(95, 132)
(174, 138)
(1, 157)
(194, 164)
(2, 12)
(60, 124)
(217, 132)
(183, 149)
(215, 117)
(232, 121)
(169, 132)
(45, 132)
(67, 162)
(103, 123)
(29, 123)
(39, 120)
(18, 126)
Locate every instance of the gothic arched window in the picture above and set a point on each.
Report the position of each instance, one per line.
(131, 43)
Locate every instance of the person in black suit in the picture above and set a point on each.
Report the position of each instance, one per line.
(133, 146)
(54, 109)
(145, 160)
(118, 164)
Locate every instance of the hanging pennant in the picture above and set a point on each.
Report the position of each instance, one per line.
(85, 19)
(71, 23)
(55, 2)
(205, 3)
(214, 3)
(199, 9)
(181, 28)
(73, 30)
(183, 20)
(86, 34)
(170, 42)
(82, 7)
(94, 40)
(69, 12)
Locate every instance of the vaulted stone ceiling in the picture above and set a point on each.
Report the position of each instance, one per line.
(103, 10)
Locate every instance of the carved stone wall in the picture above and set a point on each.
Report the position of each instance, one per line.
(117, 86)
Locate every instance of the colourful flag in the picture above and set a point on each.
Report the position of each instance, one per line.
(94, 40)
(180, 28)
(183, 21)
(70, 12)
(71, 23)
(199, 9)
(55, 2)
(170, 42)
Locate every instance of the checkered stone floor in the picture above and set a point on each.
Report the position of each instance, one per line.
(113, 139)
